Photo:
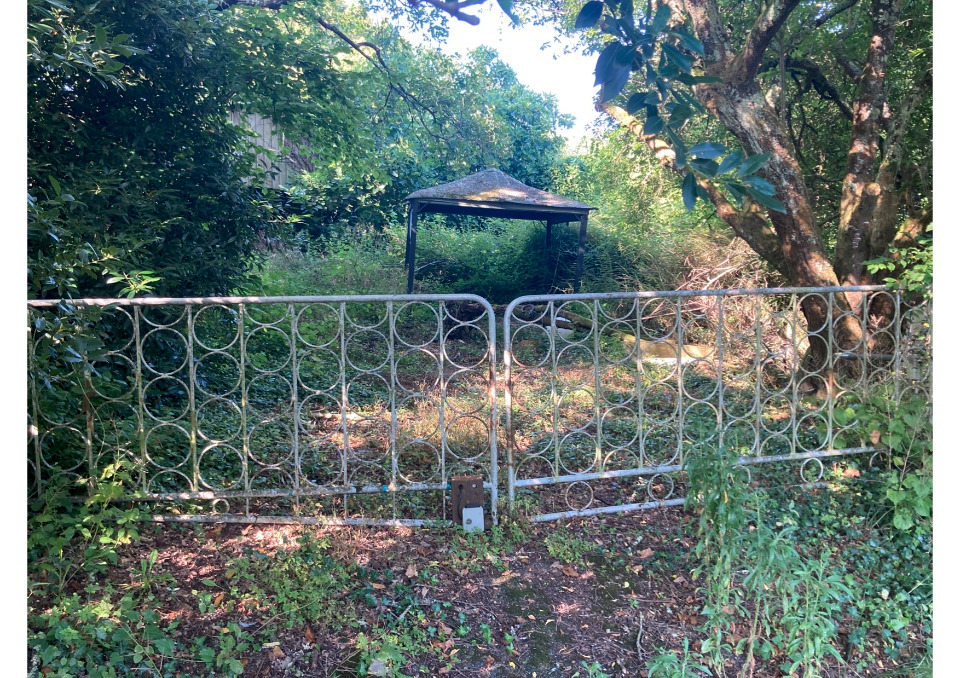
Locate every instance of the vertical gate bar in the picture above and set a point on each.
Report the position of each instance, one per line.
(244, 400)
(141, 419)
(191, 400)
(508, 406)
(441, 311)
(554, 401)
(345, 452)
(35, 405)
(758, 373)
(492, 391)
(721, 437)
(794, 386)
(831, 362)
(295, 395)
(638, 384)
(597, 387)
(391, 361)
(679, 368)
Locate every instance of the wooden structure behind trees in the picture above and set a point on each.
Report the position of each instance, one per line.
(491, 193)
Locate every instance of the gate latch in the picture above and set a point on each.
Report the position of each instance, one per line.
(466, 495)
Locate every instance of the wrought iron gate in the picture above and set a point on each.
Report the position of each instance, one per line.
(359, 409)
(607, 395)
(306, 409)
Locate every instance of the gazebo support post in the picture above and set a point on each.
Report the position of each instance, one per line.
(411, 255)
(580, 250)
(547, 237)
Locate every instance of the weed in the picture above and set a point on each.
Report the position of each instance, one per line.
(568, 548)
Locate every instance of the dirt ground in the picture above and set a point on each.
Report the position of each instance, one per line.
(589, 597)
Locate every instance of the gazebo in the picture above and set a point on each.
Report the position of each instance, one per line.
(491, 193)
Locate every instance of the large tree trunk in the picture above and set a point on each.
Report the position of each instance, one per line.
(740, 106)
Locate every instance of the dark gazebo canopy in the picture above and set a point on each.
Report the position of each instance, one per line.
(491, 193)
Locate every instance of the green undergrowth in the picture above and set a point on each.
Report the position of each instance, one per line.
(806, 581)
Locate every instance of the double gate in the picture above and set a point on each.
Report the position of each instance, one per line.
(360, 409)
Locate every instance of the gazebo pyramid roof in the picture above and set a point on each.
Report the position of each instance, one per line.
(492, 190)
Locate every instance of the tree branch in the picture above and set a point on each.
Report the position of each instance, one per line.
(750, 224)
(820, 83)
(711, 31)
(455, 9)
(830, 14)
(262, 4)
(763, 31)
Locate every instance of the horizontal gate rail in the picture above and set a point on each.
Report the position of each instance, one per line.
(354, 409)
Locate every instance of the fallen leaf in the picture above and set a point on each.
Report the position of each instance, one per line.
(646, 553)
(875, 437)
(377, 668)
(218, 599)
(531, 617)
(423, 551)
(851, 473)
(277, 653)
(637, 569)
(521, 620)
(443, 670)
(570, 572)
(444, 629)
(308, 635)
(378, 587)
(411, 571)
(680, 580)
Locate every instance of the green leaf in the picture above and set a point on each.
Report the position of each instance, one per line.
(660, 19)
(589, 15)
(101, 36)
(766, 200)
(676, 56)
(679, 114)
(636, 102)
(653, 124)
(605, 61)
(615, 85)
(730, 162)
(691, 80)
(708, 150)
(902, 520)
(752, 164)
(708, 167)
(688, 41)
(208, 582)
(689, 190)
(761, 185)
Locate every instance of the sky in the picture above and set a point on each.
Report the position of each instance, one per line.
(569, 77)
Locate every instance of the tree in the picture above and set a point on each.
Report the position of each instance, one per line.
(743, 85)
(826, 110)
